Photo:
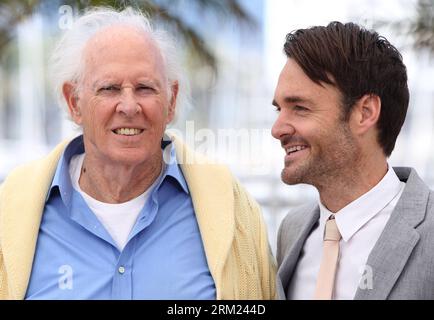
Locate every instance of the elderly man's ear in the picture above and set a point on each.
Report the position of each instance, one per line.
(172, 104)
(365, 114)
(71, 99)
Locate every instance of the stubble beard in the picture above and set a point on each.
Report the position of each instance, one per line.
(336, 159)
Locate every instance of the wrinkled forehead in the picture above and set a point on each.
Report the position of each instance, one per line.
(122, 45)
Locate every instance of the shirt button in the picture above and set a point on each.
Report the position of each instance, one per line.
(121, 270)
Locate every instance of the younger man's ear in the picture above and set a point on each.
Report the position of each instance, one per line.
(365, 113)
(69, 93)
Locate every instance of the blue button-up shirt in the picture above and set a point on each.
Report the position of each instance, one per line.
(76, 258)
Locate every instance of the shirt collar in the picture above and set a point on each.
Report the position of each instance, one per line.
(171, 165)
(62, 179)
(355, 215)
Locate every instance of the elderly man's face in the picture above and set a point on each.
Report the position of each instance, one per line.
(124, 101)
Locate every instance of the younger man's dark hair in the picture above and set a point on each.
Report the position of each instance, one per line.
(357, 62)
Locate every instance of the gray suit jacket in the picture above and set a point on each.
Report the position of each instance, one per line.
(402, 260)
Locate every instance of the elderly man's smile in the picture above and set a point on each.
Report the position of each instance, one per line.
(127, 131)
(128, 135)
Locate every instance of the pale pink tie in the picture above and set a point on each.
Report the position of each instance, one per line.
(326, 276)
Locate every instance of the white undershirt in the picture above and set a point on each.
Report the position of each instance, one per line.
(118, 219)
(360, 223)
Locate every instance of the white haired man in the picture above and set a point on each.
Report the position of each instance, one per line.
(103, 216)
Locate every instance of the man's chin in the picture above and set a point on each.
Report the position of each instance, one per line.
(290, 177)
(129, 157)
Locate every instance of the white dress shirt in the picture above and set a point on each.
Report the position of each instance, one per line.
(360, 223)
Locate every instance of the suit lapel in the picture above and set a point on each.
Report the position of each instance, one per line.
(290, 260)
(387, 260)
(212, 194)
(26, 191)
(395, 245)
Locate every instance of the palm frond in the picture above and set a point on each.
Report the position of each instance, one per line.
(12, 12)
(423, 27)
(419, 30)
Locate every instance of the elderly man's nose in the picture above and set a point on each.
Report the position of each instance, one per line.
(128, 103)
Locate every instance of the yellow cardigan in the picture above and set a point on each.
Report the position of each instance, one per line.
(233, 232)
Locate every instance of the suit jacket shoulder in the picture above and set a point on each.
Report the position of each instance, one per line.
(401, 261)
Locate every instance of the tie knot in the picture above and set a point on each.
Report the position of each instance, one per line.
(331, 232)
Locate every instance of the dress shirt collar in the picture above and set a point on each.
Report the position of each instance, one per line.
(356, 214)
(62, 180)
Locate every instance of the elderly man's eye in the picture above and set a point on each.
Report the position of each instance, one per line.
(144, 89)
(108, 89)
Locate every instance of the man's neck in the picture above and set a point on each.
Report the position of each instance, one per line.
(350, 184)
(117, 183)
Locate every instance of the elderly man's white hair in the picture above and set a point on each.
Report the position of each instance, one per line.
(67, 58)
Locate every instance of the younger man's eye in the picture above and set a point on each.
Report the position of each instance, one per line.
(300, 108)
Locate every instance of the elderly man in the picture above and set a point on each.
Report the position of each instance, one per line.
(342, 98)
(103, 216)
